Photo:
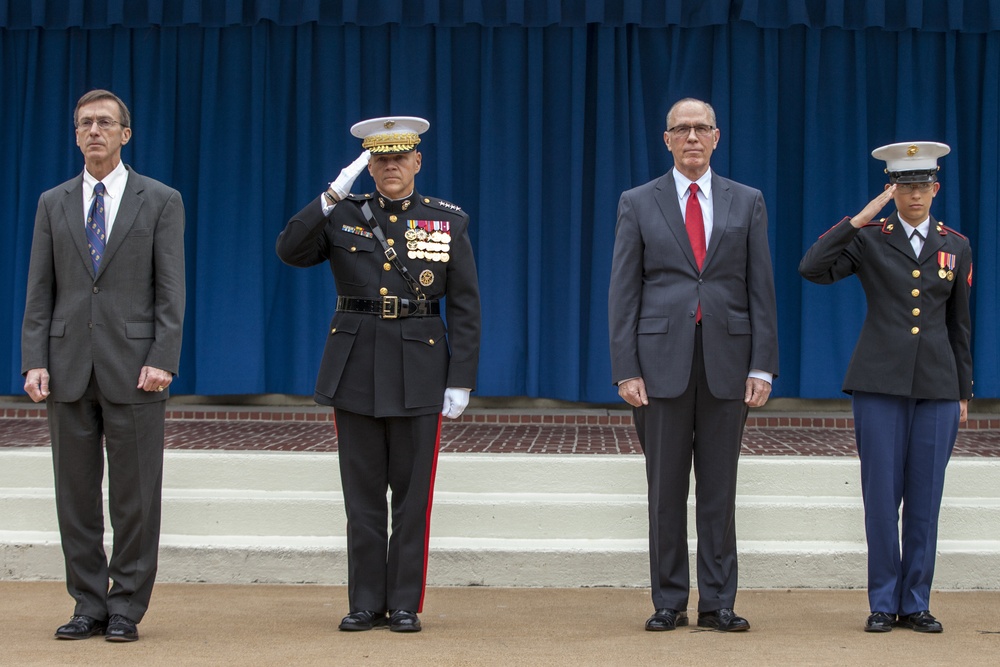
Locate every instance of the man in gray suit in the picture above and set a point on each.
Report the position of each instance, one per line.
(100, 344)
(693, 330)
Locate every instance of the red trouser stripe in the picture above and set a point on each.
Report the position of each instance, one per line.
(427, 522)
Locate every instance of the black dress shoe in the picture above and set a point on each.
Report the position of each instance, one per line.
(404, 621)
(879, 621)
(724, 620)
(121, 629)
(922, 621)
(666, 619)
(362, 620)
(81, 627)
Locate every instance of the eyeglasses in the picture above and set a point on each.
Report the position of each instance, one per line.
(683, 131)
(84, 124)
(907, 188)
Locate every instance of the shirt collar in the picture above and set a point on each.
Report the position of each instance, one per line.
(924, 227)
(114, 183)
(683, 183)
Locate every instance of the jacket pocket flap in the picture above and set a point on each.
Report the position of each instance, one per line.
(426, 330)
(140, 330)
(57, 328)
(740, 326)
(353, 242)
(653, 325)
(347, 323)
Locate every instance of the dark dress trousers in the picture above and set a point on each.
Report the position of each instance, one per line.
(94, 334)
(911, 365)
(695, 374)
(385, 378)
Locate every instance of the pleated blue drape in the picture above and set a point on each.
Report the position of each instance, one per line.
(541, 113)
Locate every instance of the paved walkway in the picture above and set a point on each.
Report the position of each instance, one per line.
(205, 624)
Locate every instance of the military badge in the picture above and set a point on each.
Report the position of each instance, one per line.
(357, 231)
(426, 277)
(946, 261)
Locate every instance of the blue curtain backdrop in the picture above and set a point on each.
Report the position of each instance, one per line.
(542, 113)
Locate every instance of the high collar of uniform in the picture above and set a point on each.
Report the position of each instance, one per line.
(396, 205)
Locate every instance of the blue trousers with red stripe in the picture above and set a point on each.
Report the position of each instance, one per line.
(904, 445)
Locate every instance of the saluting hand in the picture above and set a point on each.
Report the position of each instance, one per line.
(341, 186)
(869, 212)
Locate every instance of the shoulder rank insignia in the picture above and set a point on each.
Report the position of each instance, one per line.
(441, 204)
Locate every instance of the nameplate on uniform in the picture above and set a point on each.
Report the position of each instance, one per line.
(429, 240)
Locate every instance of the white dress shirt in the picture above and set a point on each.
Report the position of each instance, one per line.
(114, 188)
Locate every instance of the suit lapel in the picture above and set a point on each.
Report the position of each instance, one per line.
(722, 198)
(666, 199)
(125, 218)
(73, 221)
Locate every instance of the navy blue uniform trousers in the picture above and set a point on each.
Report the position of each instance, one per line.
(904, 445)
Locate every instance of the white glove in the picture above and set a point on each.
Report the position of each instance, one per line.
(342, 184)
(455, 401)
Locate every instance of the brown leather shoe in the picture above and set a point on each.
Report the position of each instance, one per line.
(666, 619)
(81, 627)
(723, 620)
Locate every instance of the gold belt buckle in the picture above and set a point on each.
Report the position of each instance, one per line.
(390, 307)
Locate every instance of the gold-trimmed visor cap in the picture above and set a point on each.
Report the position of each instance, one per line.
(912, 162)
(390, 134)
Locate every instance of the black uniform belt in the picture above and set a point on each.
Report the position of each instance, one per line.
(388, 307)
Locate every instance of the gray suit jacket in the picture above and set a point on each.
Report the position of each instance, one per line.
(129, 315)
(656, 288)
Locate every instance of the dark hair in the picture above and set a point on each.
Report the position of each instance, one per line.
(94, 95)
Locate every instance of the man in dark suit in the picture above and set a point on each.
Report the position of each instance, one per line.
(910, 378)
(693, 330)
(390, 368)
(100, 344)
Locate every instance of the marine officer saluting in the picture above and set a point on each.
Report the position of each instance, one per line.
(910, 378)
(389, 369)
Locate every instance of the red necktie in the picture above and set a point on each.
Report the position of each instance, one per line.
(695, 225)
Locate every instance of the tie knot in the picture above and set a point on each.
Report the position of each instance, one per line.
(99, 189)
(917, 235)
(694, 188)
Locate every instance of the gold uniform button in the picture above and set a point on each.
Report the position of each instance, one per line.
(431, 341)
(383, 291)
(915, 330)
(916, 312)
(391, 241)
(916, 273)
(426, 200)
(333, 330)
(387, 266)
(915, 293)
(354, 248)
(392, 218)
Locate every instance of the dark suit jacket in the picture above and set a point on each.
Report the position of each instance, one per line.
(656, 288)
(915, 340)
(129, 316)
(390, 367)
